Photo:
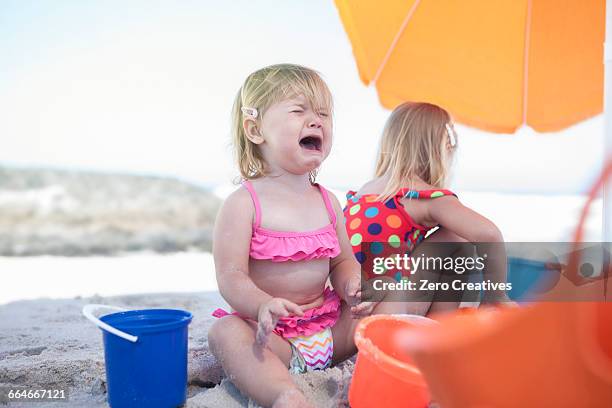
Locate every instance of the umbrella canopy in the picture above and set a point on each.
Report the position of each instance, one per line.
(495, 65)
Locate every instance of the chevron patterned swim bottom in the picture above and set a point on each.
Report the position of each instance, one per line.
(313, 352)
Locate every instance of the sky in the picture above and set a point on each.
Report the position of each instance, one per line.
(147, 86)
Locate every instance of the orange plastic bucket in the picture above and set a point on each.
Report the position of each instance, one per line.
(547, 354)
(384, 373)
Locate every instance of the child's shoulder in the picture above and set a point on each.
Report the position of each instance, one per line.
(421, 189)
(420, 185)
(370, 187)
(377, 186)
(331, 195)
(238, 199)
(237, 210)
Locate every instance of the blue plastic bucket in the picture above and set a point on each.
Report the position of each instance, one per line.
(145, 352)
(531, 278)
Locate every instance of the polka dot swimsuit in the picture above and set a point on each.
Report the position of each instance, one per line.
(376, 227)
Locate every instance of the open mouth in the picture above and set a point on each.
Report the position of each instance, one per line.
(311, 143)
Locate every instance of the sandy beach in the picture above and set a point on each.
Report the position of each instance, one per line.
(49, 344)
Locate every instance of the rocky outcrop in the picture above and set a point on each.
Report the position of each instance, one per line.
(71, 213)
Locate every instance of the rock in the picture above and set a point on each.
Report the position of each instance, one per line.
(70, 213)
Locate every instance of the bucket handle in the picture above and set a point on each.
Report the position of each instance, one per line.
(88, 313)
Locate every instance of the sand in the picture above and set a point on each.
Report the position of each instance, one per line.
(48, 344)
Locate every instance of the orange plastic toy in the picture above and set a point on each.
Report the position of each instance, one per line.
(551, 354)
(384, 374)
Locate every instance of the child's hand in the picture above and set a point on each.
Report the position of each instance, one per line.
(268, 316)
(352, 289)
(354, 297)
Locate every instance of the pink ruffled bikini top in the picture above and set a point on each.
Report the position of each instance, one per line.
(280, 246)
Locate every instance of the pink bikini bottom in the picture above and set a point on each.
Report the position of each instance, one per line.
(313, 321)
(309, 334)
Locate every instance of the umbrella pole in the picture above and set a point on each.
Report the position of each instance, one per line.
(607, 196)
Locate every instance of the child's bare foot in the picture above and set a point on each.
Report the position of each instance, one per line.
(292, 398)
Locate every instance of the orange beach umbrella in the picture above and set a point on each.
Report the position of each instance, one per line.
(496, 65)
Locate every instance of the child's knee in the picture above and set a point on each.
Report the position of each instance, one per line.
(224, 330)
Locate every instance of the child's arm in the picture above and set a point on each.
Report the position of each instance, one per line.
(231, 244)
(477, 229)
(463, 221)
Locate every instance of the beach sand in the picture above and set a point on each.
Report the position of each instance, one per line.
(48, 344)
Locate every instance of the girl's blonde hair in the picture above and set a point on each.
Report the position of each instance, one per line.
(262, 89)
(411, 145)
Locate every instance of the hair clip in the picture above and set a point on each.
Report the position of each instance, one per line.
(452, 137)
(249, 111)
